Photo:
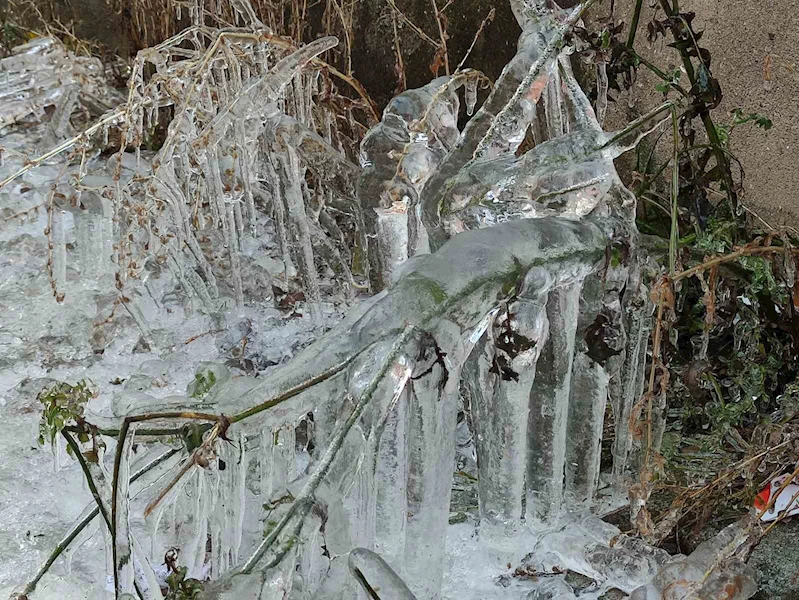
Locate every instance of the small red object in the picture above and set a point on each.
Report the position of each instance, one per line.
(788, 496)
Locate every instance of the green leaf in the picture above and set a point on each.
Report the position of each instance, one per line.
(63, 404)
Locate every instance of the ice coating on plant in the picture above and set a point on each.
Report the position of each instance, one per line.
(598, 550)
(376, 577)
(352, 443)
(398, 156)
(712, 571)
(41, 74)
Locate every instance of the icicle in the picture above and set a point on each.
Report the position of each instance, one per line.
(58, 236)
(193, 553)
(238, 220)
(277, 460)
(290, 179)
(500, 403)
(433, 416)
(84, 536)
(93, 238)
(553, 107)
(471, 95)
(279, 212)
(245, 164)
(123, 550)
(550, 405)
(589, 395)
(601, 90)
(392, 473)
(630, 387)
(227, 514)
(233, 253)
(146, 580)
(141, 322)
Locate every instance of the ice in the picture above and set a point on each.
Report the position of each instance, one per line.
(42, 74)
(712, 571)
(376, 577)
(552, 589)
(500, 405)
(499, 333)
(598, 550)
(398, 156)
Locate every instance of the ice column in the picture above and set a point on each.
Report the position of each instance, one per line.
(549, 405)
(588, 396)
(497, 380)
(433, 417)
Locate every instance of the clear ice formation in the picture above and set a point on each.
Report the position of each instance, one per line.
(334, 478)
(42, 75)
(711, 572)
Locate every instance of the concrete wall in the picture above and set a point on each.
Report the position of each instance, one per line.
(741, 36)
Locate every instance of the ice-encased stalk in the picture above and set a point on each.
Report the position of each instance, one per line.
(433, 417)
(498, 386)
(290, 176)
(392, 239)
(392, 485)
(376, 577)
(589, 395)
(123, 555)
(549, 405)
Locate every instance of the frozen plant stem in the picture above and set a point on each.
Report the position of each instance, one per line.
(304, 501)
(83, 523)
(89, 479)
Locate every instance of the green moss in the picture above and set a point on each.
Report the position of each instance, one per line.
(425, 286)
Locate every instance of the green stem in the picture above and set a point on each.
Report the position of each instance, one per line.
(675, 194)
(634, 23)
(704, 113)
(87, 473)
(293, 391)
(660, 73)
